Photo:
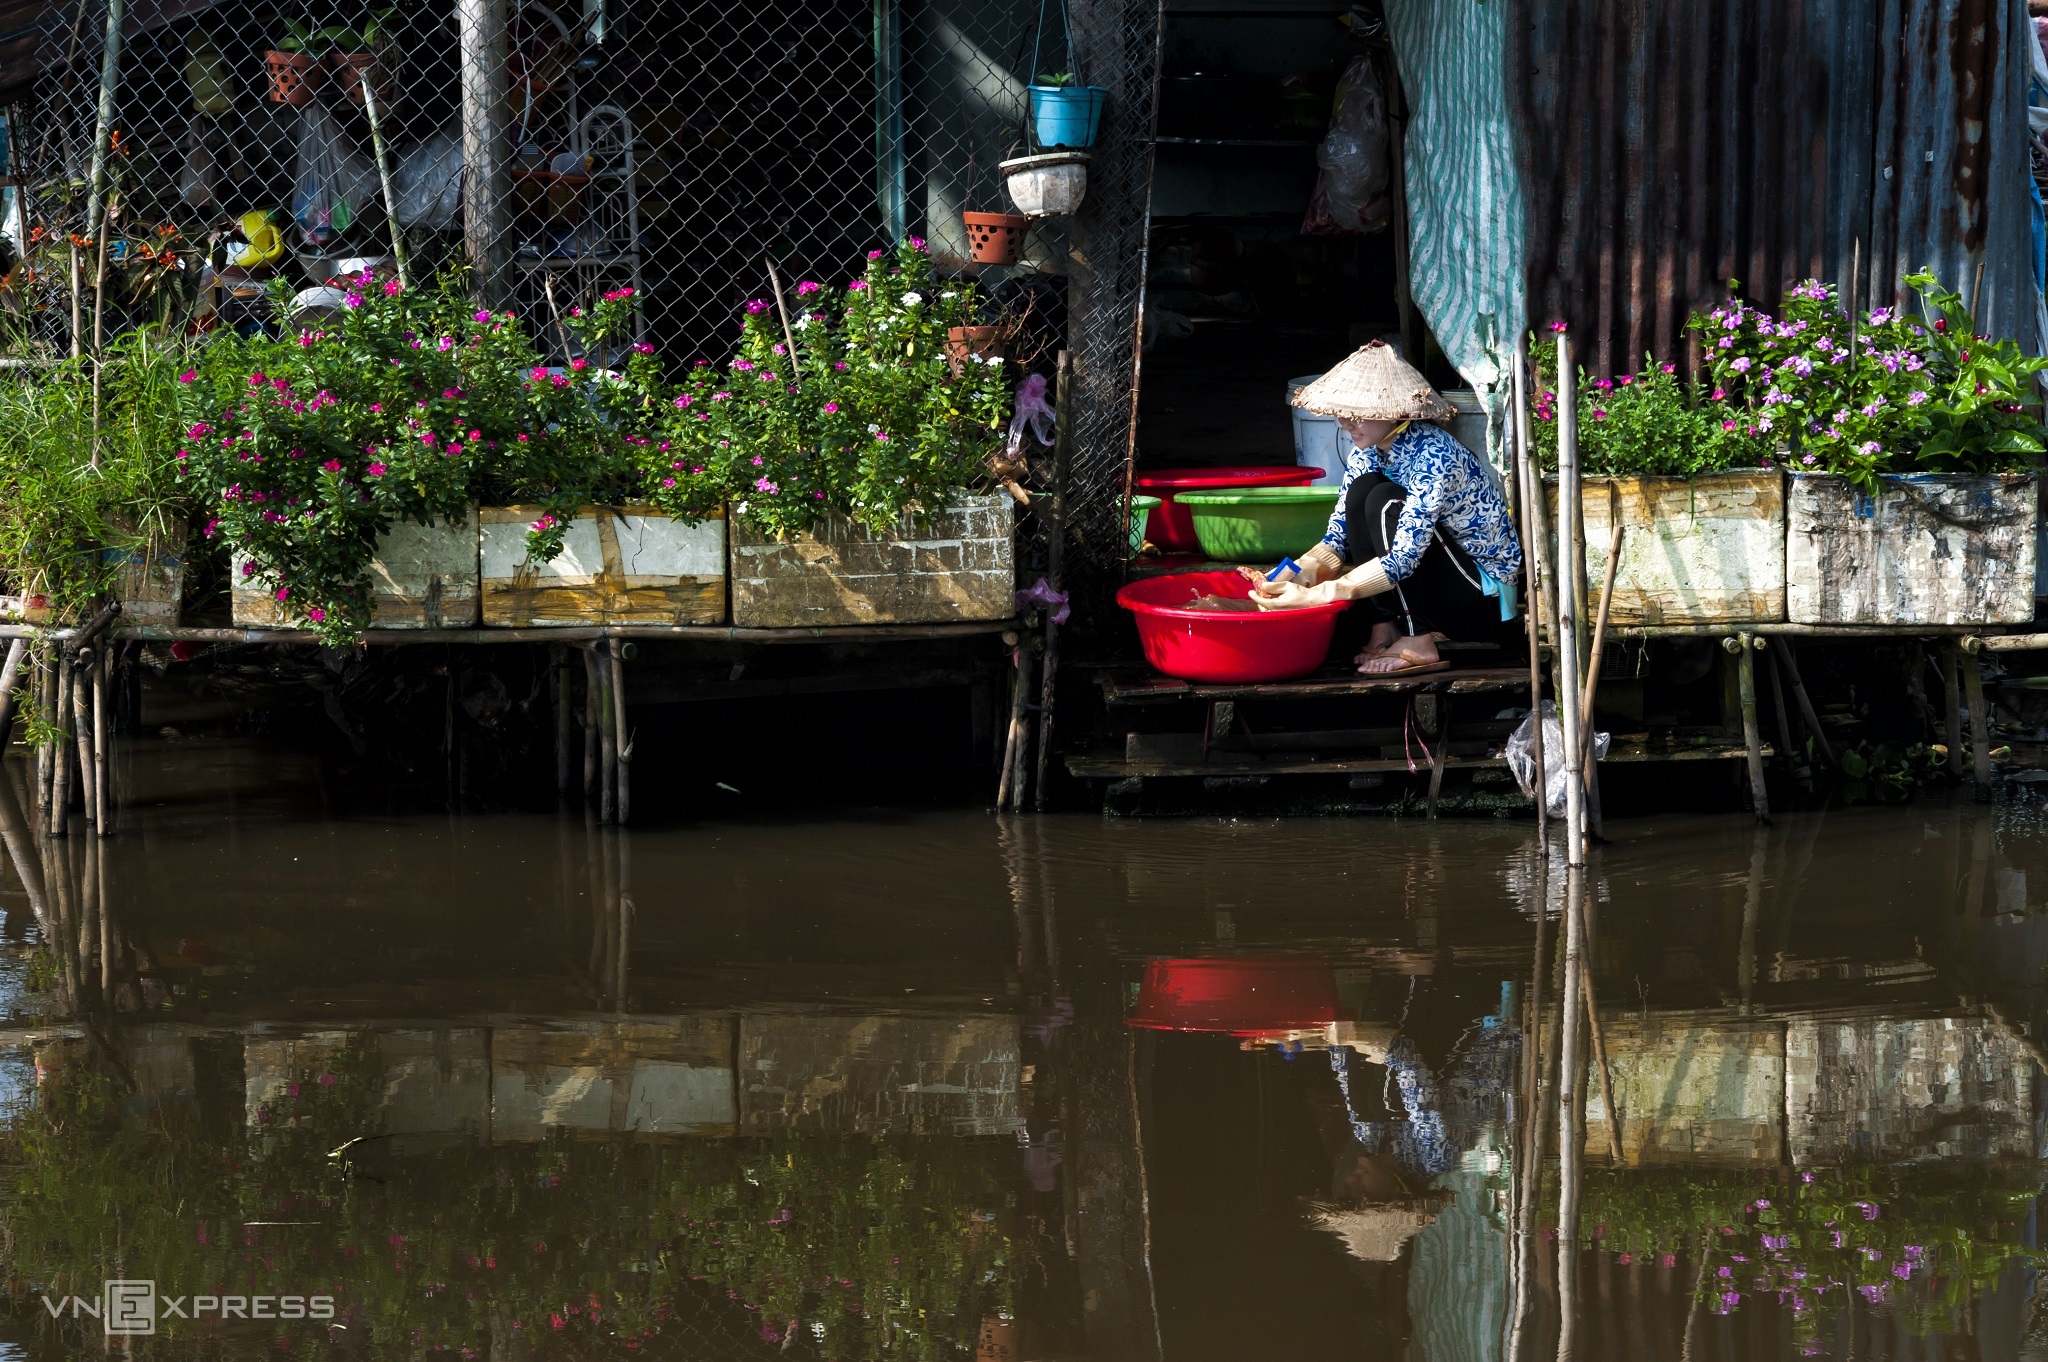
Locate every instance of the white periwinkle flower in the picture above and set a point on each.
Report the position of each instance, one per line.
(912, 298)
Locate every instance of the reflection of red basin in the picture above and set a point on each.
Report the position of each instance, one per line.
(1172, 529)
(1237, 995)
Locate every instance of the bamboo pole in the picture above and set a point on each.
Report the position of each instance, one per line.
(622, 970)
(782, 310)
(1805, 702)
(10, 677)
(46, 709)
(622, 736)
(106, 906)
(608, 749)
(565, 698)
(591, 726)
(1592, 685)
(103, 123)
(1593, 1028)
(1529, 1150)
(1569, 1113)
(1055, 508)
(367, 77)
(1790, 749)
(1952, 695)
(1980, 720)
(77, 303)
(1569, 532)
(1530, 491)
(1744, 646)
(81, 718)
(60, 780)
(1008, 797)
(103, 798)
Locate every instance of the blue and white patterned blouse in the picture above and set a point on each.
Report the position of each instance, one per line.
(1447, 490)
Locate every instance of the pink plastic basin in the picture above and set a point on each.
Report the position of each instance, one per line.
(1225, 645)
(1172, 529)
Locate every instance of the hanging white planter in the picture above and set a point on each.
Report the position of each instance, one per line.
(1049, 185)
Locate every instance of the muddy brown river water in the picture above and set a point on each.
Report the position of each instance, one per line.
(316, 1081)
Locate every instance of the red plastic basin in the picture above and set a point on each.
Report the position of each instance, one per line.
(1173, 529)
(1238, 996)
(1225, 645)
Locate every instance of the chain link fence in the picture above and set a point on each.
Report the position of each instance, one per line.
(679, 149)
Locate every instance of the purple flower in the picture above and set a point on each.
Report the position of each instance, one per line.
(482, 317)
(808, 287)
(1741, 364)
(756, 308)
(857, 286)
(1916, 398)
(763, 485)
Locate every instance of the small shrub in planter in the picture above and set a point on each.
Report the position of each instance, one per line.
(868, 421)
(405, 406)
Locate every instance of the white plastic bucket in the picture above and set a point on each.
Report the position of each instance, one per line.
(1319, 442)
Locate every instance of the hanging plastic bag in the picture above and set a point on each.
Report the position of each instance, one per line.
(1522, 761)
(1351, 191)
(336, 184)
(428, 183)
(1034, 413)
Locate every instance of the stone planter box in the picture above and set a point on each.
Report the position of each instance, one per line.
(1705, 550)
(423, 577)
(962, 567)
(1927, 549)
(618, 565)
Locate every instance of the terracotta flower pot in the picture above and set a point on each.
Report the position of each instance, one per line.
(962, 341)
(995, 238)
(294, 76)
(353, 66)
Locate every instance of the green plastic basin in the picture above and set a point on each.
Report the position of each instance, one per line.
(1260, 524)
(1141, 513)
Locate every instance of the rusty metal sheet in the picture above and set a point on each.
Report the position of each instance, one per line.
(1669, 146)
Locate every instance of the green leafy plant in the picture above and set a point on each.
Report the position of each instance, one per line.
(406, 406)
(1647, 424)
(1888, 393)
(1056, 79)
(871, 419)
(297, 37)
(72, 504)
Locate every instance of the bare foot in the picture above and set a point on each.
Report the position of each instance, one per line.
(1402, 654)
(1382, 638)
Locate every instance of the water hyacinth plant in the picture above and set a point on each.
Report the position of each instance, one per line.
(1887, 393)
(870, 419)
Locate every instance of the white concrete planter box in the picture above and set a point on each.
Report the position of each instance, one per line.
(1704, 550)
(1927, 549)
(962, 567)
(422, 577)
(618, 565)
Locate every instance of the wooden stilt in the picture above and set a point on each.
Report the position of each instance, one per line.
(1534, 611)
(1570, 605)
(46, 766)
(622, 736)
(622, 968)
(1056, 539)
(1593, 1028)
(60, 780)
(565, 719)
(1744, 647)
(1980, 723)
(1528, 1153)
(1570, 1113)
(608, 742)
(1008, 795)
(592, 693)
(10, 676)
(1787, 749)
(98, 852)
(103, 796)
(1442, 753)
(1805, 702)
(82, 729)
(1952, 705)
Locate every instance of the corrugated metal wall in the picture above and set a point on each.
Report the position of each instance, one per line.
(1669, 145)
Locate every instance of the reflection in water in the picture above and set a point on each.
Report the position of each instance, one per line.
(950, 1086)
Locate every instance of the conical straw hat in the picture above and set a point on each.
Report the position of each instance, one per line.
(1375, 384)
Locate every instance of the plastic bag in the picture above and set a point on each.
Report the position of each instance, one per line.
(1351, 192)
(336, 183)
(427, 182)
(1033, 413)
(1522, 761)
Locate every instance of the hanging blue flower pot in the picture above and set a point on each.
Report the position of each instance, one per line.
(1066, 115)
